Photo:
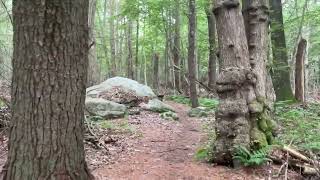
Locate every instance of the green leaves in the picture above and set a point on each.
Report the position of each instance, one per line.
(252, 158)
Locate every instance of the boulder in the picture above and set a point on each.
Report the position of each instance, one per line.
(156, 105)
(125, 84)
(104, 108)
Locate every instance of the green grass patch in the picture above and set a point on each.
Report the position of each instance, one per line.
(121, 126)
(299, 125)
(203, 102)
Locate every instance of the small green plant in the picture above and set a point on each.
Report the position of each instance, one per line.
(204, 154)
(251, 158)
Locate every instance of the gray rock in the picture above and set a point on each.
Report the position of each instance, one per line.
(104, 108)
(125, 83)
(156, 105)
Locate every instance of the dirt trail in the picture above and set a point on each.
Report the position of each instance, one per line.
(166, 151)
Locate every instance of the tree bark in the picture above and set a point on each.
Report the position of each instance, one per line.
(112, 38)
(300, 70)
(93, 68)
(212, 67)
(258, 43)
(176, 47)
(191, 54)
(281, 70)
(156, 71)
(240, 107)
(130, 72)
(50, 61)
(137, 50)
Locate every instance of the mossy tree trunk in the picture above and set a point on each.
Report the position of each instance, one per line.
(281, 69)
(50, 62)
(241, 106)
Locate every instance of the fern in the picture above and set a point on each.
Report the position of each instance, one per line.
(251, 158)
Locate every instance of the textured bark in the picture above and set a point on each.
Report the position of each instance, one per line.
(93, 77)
(130, 72)
(299, 72)
(50, 63)
(257, 27)
(234, 84)
(258, 45)
(191, 54)
(156, 71)
(112, 38)
(212, 67)
(176, 46)
(281, 70)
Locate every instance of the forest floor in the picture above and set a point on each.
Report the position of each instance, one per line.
(146, 147)
(165, 150)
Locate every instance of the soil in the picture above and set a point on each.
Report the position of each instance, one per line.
(159, 150)
(165, 151)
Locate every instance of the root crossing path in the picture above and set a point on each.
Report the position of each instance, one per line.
(165, 151)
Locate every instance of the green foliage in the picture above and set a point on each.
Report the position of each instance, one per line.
(203, 102)
(299, 124)
(204, 154)
(121, 126)
(252, 158)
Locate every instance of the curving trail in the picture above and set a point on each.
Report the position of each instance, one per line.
(166, 151)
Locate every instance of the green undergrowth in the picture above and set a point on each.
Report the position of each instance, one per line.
(205, 152)
(203, 102)
(300, 125)
(250, 158)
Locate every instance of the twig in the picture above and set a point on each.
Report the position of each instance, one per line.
(9, 15)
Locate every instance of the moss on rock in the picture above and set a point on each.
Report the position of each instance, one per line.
(258, 138)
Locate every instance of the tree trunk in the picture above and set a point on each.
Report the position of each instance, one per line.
(281, 70)
(112, 39)
(239, 108)
(176, 47)
(130, 72)
(137, 50)
(93, 77)
(258, 43)
(156, 71)
(212, 68)
(50, 63)
(191, 54)
(299, 72)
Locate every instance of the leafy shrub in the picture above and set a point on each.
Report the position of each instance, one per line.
(251, 158)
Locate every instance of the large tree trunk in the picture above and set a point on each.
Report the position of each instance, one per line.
(281, 70)
(191, 54)
(50, 63)
(258, 43)
(212, 68)
(112, 38)
(130, 72)
(299, 72)
(176, 47)
(240, 107)
(93, 68)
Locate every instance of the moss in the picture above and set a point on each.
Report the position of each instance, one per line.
(256, 107)
(270, 137)
(258, 138)
(262, 124)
